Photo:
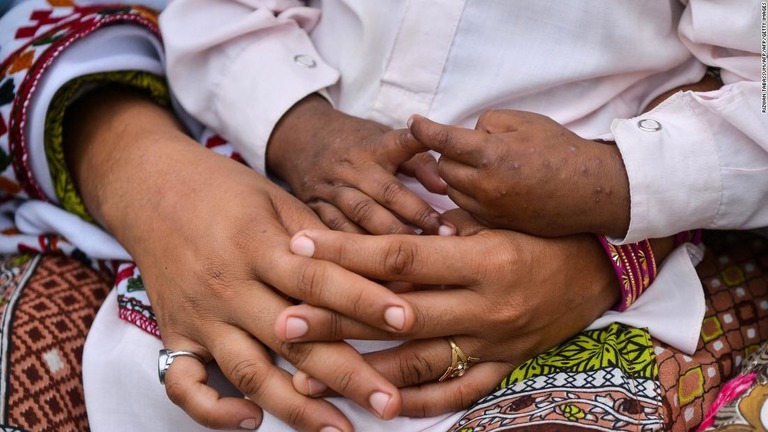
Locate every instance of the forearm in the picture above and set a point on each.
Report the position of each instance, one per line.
(240, 77)
(116, 139)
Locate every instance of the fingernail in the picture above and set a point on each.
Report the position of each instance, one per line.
(410, 120)
(295, 328)
(379, 402)
(395, 317)
(315, 387)
(330, 429)
(303, 246)
(446, 231)
(248, 424)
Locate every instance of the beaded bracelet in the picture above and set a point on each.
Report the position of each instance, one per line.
(635, 266)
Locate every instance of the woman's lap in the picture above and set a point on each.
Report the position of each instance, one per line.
(620, 378)
(617, 378)
(47, 306)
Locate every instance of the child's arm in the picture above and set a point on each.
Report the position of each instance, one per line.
(524, 171)
(253, 76)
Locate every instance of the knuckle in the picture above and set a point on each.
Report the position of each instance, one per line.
(297, 414)
(344, 380)
(298, 354)
(335, 326)
(485, 118)
(176, 393)
(415, 369)
(307, 280)
(362, 211)
(400, 259)
(441, 137)
(391, 191)
(424, 216)
(468, 394)
(336, 223)
(248, 376)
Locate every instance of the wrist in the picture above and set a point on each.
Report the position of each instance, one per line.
(104, 131)
(613, 200)
(300, 126)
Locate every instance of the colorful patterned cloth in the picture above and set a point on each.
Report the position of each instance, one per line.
(47, 304)
(621, 379)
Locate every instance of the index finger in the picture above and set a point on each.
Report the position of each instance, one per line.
(427, 260)
(460, 144)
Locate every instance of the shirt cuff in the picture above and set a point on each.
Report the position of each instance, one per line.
(262, 84)
(673, 170)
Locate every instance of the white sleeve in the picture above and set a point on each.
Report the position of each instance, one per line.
(700, 160)
(239, 65)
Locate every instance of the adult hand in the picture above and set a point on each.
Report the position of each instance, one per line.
(524, 171)
(211, 238)
(344, 168)
(508, 297)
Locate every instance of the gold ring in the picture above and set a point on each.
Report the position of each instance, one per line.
(460, 362)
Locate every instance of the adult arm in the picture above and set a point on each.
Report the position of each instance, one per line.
(215, 263)
(507, 297)
(32, 88)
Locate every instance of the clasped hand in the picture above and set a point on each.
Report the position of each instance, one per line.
(344, 168)
(499, 303)
(524, 171)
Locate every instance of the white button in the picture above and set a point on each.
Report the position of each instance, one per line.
(649, 125)
(305, 60)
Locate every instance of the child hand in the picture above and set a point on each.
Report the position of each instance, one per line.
(344, 168)
(524, 171)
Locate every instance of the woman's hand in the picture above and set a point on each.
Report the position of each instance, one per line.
(211, 238)
(344, 168)
(508, 297)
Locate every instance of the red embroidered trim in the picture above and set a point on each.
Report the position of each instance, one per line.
(82, 27)
(141, 321)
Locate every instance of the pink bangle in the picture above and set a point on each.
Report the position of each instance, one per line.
(635, 266)
(692, 236)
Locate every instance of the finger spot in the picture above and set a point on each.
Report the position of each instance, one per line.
(315, 387)
(446, 231)
(395, 317)
(302, 245)
(379, 402)
(295, 328)
(248, 424)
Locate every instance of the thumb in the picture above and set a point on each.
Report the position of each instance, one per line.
(501, 121)
(400, 146)
(294, 215)
(465, 223)
(458, 143)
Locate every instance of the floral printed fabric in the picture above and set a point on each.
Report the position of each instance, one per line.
(619, 378)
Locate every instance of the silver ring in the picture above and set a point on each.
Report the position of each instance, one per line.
(166, 357)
